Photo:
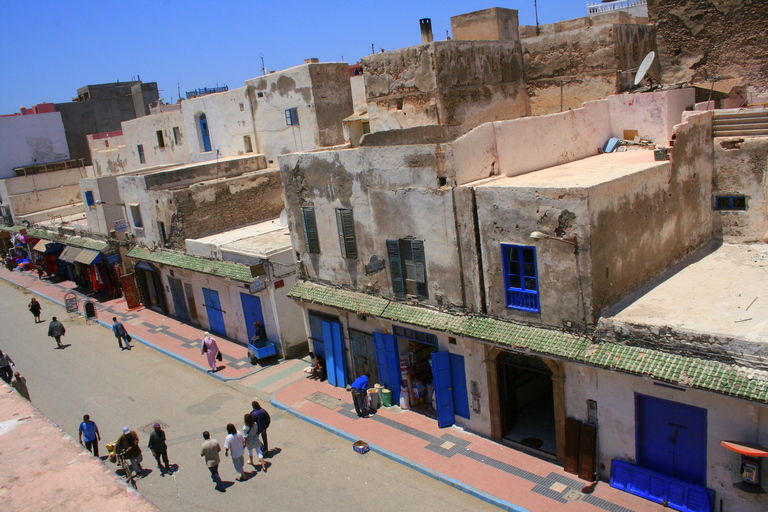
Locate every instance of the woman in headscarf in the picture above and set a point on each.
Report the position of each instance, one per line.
(210, 349)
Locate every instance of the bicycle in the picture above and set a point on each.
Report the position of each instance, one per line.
(125, 463)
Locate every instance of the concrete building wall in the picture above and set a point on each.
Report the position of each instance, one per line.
(143, 131)
(102, 218)
(38, 192)
(741, 168)
(653, 114)
(332, 92)
(710, 38)
(229, 119)
(30, 140)
(109, 154)
(615, 394)
(357, 85)
(375, 183)
(454, 84)
(649, 224)
(492, 24)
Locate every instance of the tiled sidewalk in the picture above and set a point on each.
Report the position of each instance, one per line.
(168, 335)
(505, 477)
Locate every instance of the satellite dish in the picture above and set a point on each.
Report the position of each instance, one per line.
(644, 67)
(283, 221)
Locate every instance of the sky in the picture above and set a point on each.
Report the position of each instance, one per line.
(50, 48)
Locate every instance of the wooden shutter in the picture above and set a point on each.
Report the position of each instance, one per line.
(572, 431)
(346, 225)
(395, 267)
(587, 446)
(311, 240)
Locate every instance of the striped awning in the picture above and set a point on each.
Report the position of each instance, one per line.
(70, 253)
(88, 257)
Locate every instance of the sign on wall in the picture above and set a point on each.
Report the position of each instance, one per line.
(120, 225)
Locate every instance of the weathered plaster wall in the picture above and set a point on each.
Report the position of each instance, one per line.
(565, 68)
(741, 167)
(653, 114)
(456, 84)
(357, 84)
(376, 183)
(727, 418)
(229, 117)
(30, 140)
(270, 96)
(488, 24)
(185, 176)
(101, 219)
(333, 100)
(143, 130)
(508, 215)
(109, 155)
(642, 224)
(216, 206)
(39, 192)
(705, 38)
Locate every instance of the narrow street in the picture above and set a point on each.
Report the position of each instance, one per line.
(309, 468)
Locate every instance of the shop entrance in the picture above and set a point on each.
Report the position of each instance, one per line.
(526, 399)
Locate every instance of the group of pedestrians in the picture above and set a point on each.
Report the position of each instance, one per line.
(15, 379)
(55, 329)
(252, 437)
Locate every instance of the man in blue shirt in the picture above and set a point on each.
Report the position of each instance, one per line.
(359, 395)
(89, 435)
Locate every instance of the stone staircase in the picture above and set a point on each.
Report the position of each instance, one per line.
(744, 123)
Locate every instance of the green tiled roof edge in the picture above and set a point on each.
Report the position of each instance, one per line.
(74, 241)
(234, 271)
(687, 371)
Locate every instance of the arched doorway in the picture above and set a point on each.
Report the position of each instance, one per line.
(528, 408)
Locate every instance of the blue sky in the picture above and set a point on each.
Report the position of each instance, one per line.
(51, 48)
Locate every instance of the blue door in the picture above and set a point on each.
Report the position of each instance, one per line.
(251, 312)
(177, 294)
(335, 362)
(459, 384)
(672, 439)
(388, 363)
(204, 133)
(441, 374)
(215, 313)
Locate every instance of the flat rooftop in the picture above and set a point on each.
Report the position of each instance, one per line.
(584, 173)
(719, 290)
(262, 240)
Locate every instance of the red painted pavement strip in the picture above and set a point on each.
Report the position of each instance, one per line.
(476, 474)
(162, 332)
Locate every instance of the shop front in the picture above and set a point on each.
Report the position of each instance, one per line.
(46, 257)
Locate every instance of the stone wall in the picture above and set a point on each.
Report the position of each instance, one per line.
(701, 39)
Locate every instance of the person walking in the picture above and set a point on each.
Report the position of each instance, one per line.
(210, 349)
(89, 435)
(36, 309)
(235, 443)
(262, 420)
(210, 450)
(252, 442)
(6, 363)
(56, 330)
(158, 447)
(128, 444)
(20, 384)
(359, 395)
(121, 334)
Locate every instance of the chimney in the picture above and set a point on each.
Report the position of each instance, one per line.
(313, 60)
(426, 30)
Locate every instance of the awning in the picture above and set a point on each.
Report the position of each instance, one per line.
(40, 245)
(69, 254)
(143, 265)
(88, 257)
(47, 246)
(749, 449)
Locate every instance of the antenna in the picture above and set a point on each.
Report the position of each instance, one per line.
(644, 67)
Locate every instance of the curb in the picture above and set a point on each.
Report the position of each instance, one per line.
(461, 486)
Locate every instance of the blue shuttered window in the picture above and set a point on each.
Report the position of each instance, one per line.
(346, 225)
(311, 240)
(521, 281)
(292, 116)
(89, 199)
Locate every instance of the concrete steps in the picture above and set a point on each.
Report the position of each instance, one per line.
(741, 124)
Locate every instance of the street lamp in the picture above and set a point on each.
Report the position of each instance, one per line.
(538, 235)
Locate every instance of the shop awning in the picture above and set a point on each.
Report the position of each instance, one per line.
(46, 246)
(88, 257)
(749, 449)
(69, 254)
(40, 245)
(143, 265)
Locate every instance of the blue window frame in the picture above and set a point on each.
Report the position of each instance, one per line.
(292, 116)
(521, 280)
(730, 202)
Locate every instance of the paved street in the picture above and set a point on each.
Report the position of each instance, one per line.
(310, 468)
